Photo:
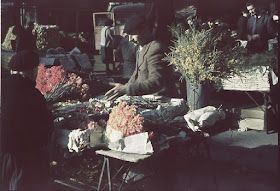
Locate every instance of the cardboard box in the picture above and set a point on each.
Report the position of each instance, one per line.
(252, 123)
(255, 112)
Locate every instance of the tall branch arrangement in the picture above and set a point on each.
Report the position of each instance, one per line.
(200, 55)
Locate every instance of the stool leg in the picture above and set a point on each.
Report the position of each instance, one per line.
(101, 175)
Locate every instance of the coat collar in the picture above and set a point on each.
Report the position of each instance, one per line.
(142, 53)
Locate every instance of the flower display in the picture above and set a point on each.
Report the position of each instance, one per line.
(48, 78)
(124, 120)
(55, 83)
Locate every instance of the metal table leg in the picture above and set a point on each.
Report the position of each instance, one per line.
(105, 162)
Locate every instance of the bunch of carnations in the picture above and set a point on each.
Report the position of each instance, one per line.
(56, 84)
(48, 78)
(123, 121)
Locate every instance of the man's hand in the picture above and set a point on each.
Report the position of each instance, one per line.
(115, 92)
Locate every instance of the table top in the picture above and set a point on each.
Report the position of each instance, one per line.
(129, 157)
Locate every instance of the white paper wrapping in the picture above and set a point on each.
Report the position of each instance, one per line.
(112, 135)
(204, 117)
(138, 144)
(78, 140)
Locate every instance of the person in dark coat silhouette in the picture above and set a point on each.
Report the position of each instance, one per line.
(242, 25)
(260, 29)
(19, 43)
(26, 127)
(29, 37)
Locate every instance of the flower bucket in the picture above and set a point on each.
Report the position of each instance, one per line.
(196, 96)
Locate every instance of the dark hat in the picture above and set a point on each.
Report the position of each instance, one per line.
(134, 24)
(24, 60)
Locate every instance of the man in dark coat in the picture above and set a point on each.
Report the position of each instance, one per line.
(152, 75)
(242, 25)
(260, 29)
(26, 126)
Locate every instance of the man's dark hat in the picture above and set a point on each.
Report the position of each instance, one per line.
(134, 24)
(24, 60)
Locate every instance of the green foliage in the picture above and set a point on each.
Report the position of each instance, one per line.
(266, 58)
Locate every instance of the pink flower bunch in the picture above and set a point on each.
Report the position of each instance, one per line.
(124, 118)
(48, 78)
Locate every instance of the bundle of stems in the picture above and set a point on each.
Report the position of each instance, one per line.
(60, 92)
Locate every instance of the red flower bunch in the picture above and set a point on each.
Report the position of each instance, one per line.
(49, 80)
(124, 118)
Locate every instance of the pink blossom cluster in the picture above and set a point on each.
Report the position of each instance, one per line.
(124, 118)
(48, 78)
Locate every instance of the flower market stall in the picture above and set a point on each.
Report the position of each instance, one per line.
(84, 122)
(131, 129)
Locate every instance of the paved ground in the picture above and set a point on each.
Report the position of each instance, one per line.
(240, 161)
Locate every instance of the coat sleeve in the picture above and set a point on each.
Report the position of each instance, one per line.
(270, 27)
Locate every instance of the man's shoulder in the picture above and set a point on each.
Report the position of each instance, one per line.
(156, 46)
